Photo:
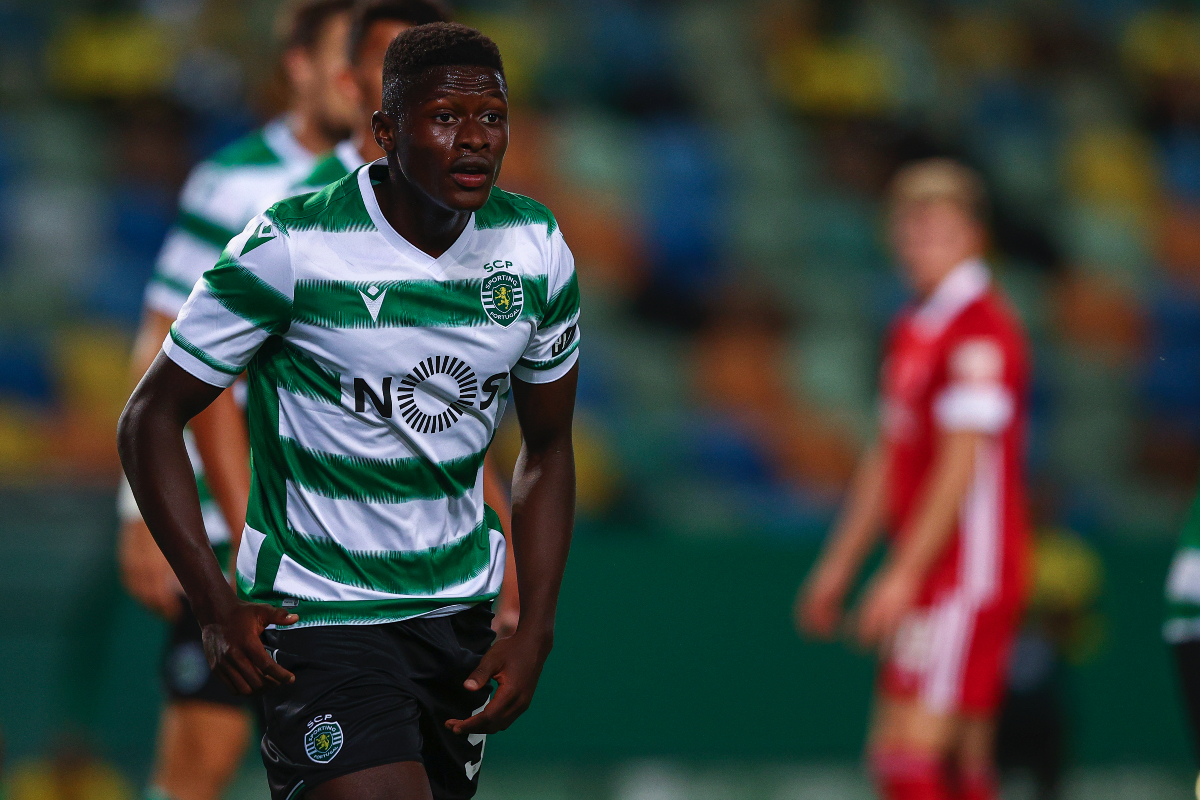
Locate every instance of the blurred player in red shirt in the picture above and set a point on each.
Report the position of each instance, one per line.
(946, 482)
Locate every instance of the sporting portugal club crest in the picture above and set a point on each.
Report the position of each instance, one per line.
(323, 741)
(502, 297)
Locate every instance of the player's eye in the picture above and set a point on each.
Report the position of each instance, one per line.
(445, 116)
(492, 118)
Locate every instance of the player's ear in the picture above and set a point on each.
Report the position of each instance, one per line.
(384, 128)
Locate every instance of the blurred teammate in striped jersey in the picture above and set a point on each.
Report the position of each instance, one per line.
(204, 728)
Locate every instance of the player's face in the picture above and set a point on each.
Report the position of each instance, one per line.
(451, 139)
(931, 238)
(367, 72)
(316, 77)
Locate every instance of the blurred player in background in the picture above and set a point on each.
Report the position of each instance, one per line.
(1182, 627)
(373, 26)
(204, 727)
(946, 481)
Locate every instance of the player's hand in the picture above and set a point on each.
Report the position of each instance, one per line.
(886, 601)
(145, 573)
(515, 664)
(818, 608)
(235, 651)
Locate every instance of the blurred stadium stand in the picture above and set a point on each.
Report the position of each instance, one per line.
(717, 169)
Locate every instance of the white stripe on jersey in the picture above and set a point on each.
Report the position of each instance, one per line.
(380, 527)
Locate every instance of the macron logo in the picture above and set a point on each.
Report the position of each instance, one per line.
(373, 297)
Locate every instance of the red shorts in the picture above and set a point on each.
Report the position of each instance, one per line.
(952, 656)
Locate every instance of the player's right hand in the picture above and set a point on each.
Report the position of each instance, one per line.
(818, 608)
(145, 573)
(233, 645)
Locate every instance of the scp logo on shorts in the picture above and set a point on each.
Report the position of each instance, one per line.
(324, 739)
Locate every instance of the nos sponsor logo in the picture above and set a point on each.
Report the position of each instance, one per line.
(430, 398)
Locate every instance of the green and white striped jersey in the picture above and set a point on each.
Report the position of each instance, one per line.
(377, 376)
(221, 195)
(339, 162)
(1183, 583)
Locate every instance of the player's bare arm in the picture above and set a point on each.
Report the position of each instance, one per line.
(818, 607)
(543, 515)
(893, 591)
(221, 438)
(153, 454)
(224, 447)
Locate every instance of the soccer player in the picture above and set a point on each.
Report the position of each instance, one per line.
(384, 323)
(946, 481)
(373, 26)
(204, 728)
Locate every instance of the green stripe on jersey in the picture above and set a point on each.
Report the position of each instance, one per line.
(250, 297)
(377, 480)
(174, 284)
(251, 150)
(563, 305)
(364, 612)
(426, 572)
(338, 208)
(327, 170)
(300, 374)
(550, 363)
(508, 210)
(205, 230)
(403, 304)
(191, 349)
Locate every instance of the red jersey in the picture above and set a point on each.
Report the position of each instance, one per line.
(959, 361)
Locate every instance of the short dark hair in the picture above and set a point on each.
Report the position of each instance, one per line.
(300, 23)
(368, 12)
(441, 44)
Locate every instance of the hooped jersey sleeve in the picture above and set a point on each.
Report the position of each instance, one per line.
(245, 298)
(193, 244)
(554, 345)
(976, 396)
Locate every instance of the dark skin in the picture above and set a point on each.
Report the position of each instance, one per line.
(444, 151)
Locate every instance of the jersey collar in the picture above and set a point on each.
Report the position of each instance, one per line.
(410, 251)
(964, 284)
(279, 138)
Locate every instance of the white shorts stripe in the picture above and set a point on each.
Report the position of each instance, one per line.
(941, 683)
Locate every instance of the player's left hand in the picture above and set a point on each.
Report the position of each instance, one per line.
(890, 596)
(515, 664)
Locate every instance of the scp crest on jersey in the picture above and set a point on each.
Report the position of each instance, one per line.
(502, 297)
(323, 741)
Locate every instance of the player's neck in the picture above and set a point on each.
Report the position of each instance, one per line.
(430, 228)
(310, 134)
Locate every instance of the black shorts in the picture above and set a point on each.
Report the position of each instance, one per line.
(185, 671)
(368, 695)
